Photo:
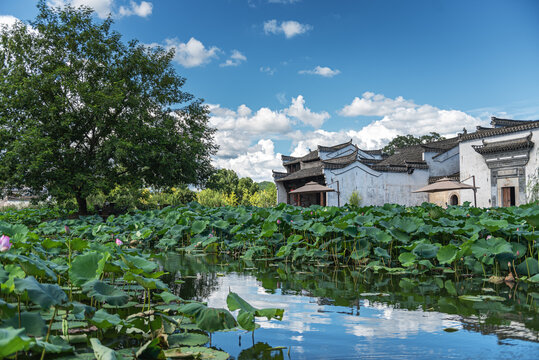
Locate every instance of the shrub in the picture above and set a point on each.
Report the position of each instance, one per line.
(355, 199)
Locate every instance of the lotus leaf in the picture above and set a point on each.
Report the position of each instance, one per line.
(187, 339)
(381, 253)
(168, 297)
(13, 340)
(481, 298)
(104, 292)
(7, 310)
(197, 352)
(44, 295)
(104, 320)
(425, 251)
(447, 254)
(32, 323)
(102, 352)
(136, 263)
(86, 267)
(54, 345)
(407, 259)
(209, 319)
(528, 267)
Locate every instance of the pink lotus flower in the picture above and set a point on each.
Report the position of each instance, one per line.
(518, 253)
(119, 242)
(311, 212)
(66, 229)
(278, 221)
(488, 237)
(211, 235)
(4, 243)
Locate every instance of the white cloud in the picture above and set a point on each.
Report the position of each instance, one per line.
(235, 59)
(104, 8)
(268, 70)
(190, 54)
(322, 71)
(255, 162)
(143, 9)
(305, 115)
(8, 20)
(402, 117)
(263, 121)
(375, 104)
(288, 28)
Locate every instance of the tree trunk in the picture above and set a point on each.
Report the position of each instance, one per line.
(83, 206)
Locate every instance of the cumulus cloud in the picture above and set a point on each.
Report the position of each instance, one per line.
(8, 20)
(298, 110)
(143, 9)
(104, 8)
(235, 59)
(401, 116)
(255, 162)
(288, 28)
(375, 104)
(190, 54)
(322, 71)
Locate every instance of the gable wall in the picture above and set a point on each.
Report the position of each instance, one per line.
(443, 164)
(376, 188)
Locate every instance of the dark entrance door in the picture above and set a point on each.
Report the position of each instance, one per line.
(508, 196)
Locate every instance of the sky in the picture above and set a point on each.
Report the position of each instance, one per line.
(283, 76)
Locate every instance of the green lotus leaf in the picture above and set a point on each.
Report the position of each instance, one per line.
(319, 229)
(103, 320)
(450, 287)
(13, 340)
(533, 220)
(381, 253)
(32, 323)
(7, 310)
(493, 225)
(378, 235)
(87, 267)
(35, 267)
(268, 229)
(407, 259)
(481, 298)
(139, 263)
(247, 313)
(425, 251)
(198, 226)
(529, 267)
(44, 295)
(102, 352)
(145, 282)
(196, 352)
(447, 254)
(55, 345)
(187, 339)
(169, 297)
(104, 292)
(209, 319)
(151, 350)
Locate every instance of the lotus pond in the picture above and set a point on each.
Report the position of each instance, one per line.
(195, 282)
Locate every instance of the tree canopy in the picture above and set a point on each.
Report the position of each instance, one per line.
(401, 141)
(82, 111)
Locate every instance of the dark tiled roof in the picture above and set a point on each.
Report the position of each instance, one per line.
(441, 145)
(505, 145)
(410, 153)
(373, 152)
(278, 174)
(341, 161)
(455, 176)
(335, 147)
(303, 173)
(523, 126)
(288, 158)
(497, 122)
(313, 155)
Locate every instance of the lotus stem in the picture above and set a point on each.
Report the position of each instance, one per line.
(49, 331)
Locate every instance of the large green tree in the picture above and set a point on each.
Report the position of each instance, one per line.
(82, 111)
(401, 141)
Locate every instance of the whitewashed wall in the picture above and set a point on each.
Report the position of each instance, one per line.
(281, 192)
(473, 163)
(443, 164)
(376, 188)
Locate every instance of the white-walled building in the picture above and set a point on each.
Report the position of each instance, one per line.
(503, 159)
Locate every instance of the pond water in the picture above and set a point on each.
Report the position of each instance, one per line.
(343, 313)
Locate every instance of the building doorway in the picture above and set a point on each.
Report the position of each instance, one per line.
(508, 196)
(454, 200)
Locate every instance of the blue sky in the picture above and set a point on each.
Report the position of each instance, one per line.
(282, 76)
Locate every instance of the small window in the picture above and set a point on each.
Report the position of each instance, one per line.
(454, 200)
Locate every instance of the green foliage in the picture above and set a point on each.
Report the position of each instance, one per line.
(81, 111)
(401, 141)
(355, 199)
